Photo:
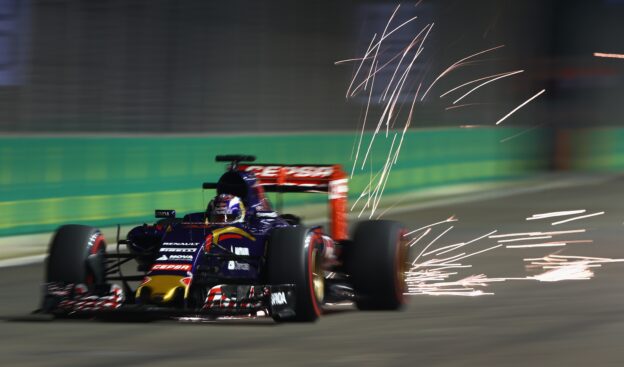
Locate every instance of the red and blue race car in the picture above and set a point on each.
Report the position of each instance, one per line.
(238, 257)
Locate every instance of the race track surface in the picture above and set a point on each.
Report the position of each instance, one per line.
(525, 323)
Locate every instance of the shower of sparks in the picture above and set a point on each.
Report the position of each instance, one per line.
(433, 283)
(562, 267)
(520, 106)
(398, 88)
(577, 218)
(431, 276)
(391, 96)
(390, 108)
(610, 56)
(431, 273)
(556, 214)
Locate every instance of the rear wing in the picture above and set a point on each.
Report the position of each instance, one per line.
(330, 179)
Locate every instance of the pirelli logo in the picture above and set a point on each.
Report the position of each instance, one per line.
(178, 249)
(174, 267)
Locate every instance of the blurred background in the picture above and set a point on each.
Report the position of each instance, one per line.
(109, 109)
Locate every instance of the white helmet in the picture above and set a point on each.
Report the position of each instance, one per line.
(226, 208)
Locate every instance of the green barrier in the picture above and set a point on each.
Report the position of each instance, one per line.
(48, 181)
(599, 149)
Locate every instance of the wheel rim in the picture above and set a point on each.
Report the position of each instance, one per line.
(401, 267)
(318, 279)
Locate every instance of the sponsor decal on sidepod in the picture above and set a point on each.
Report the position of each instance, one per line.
(181, 257)
(278, 298)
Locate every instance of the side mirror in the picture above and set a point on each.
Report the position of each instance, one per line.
(165, 213)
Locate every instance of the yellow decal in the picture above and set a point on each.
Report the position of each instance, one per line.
(216, 233)
(163, 287)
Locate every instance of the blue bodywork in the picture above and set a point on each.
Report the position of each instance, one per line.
(207, 253)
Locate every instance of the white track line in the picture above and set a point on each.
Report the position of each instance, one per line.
(19, 261)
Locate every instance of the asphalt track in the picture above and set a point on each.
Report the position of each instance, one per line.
(526, 323)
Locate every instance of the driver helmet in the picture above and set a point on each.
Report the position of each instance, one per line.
(226, 208)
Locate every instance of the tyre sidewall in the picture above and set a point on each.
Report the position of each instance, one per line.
(76, 255)
(373, 263)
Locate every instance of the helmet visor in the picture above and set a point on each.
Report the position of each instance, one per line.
(223, 218)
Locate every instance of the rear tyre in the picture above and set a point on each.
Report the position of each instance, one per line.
(376, 263)
(294, 257)
(77, 255)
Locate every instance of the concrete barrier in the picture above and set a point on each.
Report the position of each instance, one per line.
(592, 149)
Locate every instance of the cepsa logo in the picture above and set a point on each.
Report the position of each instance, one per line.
(292, 171)
(176, 267)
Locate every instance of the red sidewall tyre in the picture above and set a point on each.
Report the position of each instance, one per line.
(290, 259)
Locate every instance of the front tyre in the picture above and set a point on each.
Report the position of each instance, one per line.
(376, 263)
(295, 257)
(77, 255)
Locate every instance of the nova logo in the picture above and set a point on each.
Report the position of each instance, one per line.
(180, 257)
(278, 298)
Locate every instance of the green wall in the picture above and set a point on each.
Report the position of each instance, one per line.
(48, 181)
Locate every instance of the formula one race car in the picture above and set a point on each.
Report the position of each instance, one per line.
(239, 257)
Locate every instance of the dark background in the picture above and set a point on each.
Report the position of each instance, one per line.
(163, 66)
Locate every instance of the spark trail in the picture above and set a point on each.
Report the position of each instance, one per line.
(520, 106)
(610, 56)
(505, 75)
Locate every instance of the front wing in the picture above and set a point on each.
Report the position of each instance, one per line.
(69, 300)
